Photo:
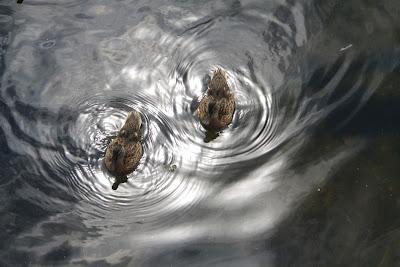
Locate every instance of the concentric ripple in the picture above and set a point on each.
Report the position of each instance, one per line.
(164, 75)
(153, 191)
(74, 70)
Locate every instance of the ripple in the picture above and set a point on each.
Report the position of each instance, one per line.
(164, 79)
(160, 63)
(152, 192)
(251, 128)
(47, 44)
(5, 22)
(252, 132)
(116, 50)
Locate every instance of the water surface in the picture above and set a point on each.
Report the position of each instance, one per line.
(304, 176)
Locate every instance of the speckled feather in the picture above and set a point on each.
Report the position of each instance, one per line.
(129, 141)
(221, 99)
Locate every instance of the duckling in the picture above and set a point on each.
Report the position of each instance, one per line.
(125, 151)
(216, 109)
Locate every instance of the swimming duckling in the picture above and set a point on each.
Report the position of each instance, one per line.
(216, 109)
(125, 151)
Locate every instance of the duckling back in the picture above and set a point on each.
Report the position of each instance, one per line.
(217, 107)
(125, 151)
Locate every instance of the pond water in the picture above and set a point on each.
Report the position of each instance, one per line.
(306, 174)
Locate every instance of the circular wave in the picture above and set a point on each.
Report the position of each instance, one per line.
(162, 70)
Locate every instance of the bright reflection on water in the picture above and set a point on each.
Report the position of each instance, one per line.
(72, 71)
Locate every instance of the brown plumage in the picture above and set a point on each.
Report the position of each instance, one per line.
(125, 151)
(216, 109)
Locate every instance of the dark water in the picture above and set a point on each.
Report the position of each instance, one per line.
(306, 175)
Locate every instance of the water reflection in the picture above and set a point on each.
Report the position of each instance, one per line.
(73, 70)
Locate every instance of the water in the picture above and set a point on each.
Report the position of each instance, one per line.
(304, 176)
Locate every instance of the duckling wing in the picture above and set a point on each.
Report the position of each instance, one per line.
(227, 107)
(133, 156)
(108, 158)
(202, 110)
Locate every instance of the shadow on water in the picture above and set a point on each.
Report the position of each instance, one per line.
(27, 198)
(353, 218)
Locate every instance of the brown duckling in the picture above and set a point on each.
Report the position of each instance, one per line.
(125, 151)
(216, 109)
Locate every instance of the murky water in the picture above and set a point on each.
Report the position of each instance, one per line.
(306, 175)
